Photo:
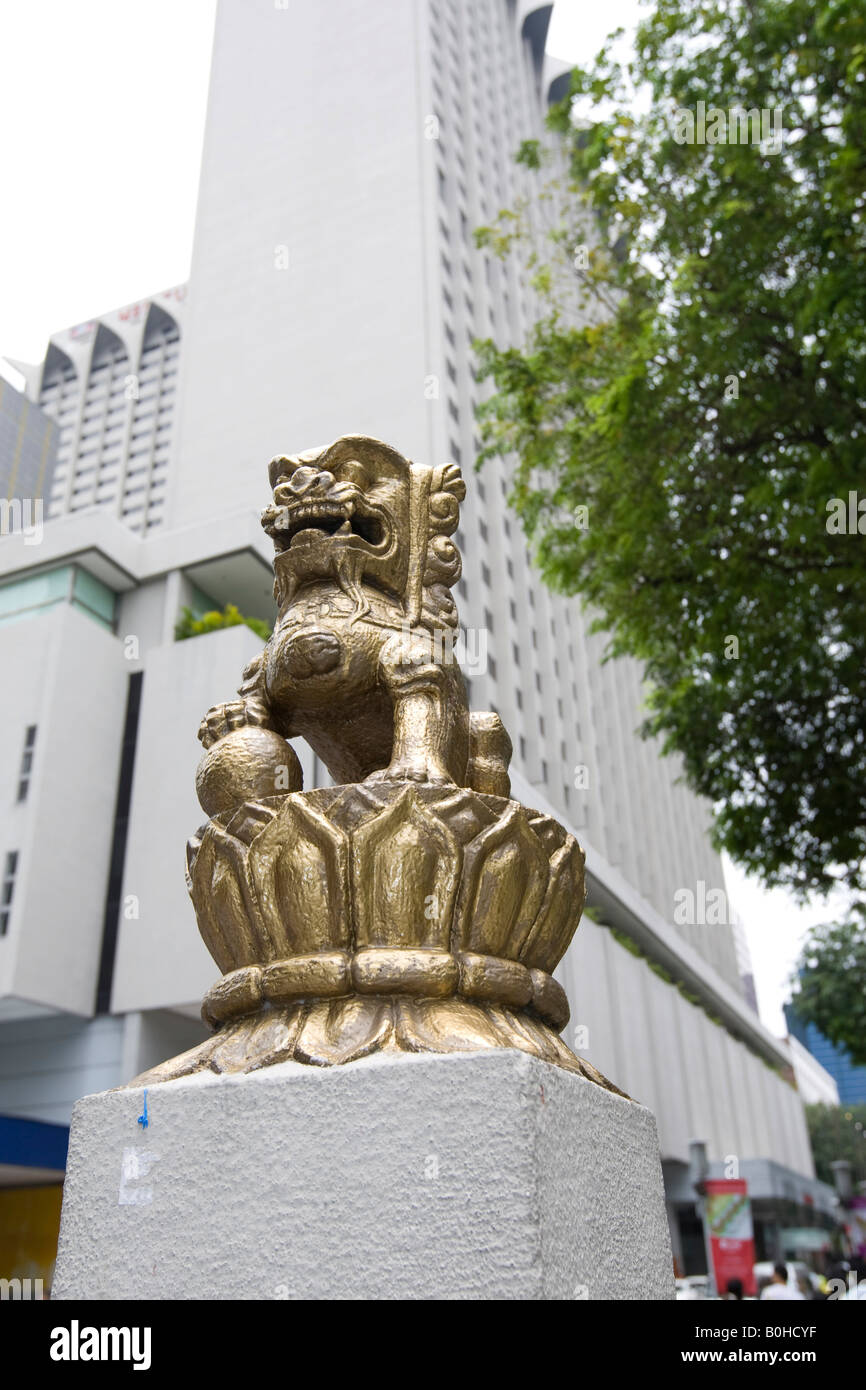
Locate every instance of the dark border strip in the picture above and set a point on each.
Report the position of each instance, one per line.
(111, 920)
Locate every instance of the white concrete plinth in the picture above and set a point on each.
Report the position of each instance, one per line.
(476, 1175)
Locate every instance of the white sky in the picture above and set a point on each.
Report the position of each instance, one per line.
(102, 106)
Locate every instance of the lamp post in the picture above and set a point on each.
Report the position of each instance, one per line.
(843, 1180)
(699, 1171)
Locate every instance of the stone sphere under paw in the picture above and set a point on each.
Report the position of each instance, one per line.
(246, 765)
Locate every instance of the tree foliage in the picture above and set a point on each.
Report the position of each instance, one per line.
(833, 1134)
(698, 384)
(830, 983)
(188, 625)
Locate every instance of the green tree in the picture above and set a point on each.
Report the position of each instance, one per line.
(830, 983)
(680, 439)
(833, 1133)
(188, 625)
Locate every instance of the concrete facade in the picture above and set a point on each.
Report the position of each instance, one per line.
(814, 1082)
(67, 682)
(462, 1177)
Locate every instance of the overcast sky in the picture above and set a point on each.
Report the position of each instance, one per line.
(102, 106)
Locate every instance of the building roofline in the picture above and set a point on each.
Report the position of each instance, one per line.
(98, 541)
(534, 20)
(556, 78)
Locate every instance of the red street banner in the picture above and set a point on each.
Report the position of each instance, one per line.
(732, 1241)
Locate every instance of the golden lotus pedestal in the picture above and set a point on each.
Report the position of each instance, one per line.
(382, 917)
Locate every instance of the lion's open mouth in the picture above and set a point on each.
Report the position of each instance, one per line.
(319, 519)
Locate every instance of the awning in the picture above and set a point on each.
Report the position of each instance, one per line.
(31, 1151)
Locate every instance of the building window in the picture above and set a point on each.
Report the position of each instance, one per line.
(7, 890)
(35, 593)
(26, 762)
(40, 593)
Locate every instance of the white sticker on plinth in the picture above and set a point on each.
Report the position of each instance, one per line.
(136, 1165)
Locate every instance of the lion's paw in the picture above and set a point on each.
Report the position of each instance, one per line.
(412, 770)
(224, 719)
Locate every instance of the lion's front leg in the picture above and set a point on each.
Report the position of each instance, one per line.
(251, 709)
(430, 715)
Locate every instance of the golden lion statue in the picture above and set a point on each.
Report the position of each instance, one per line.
(413, 907)
(361, 661)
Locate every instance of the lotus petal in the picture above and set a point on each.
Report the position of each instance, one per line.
(299, 866)
(227, 912)
(560, 912)
(443, 1025)
(342, 1030)
(505, 875)
(405, 870)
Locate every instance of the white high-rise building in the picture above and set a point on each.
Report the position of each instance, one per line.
(335, 288)
(111, 386)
